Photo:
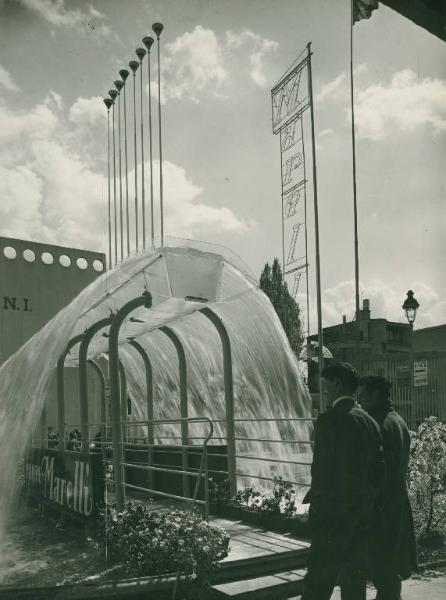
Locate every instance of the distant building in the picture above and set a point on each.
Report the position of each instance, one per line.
(413, 360)
(430, 339)
(377, 337)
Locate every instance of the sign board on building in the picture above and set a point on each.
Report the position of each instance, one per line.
(403, 375)
(69, 482)
(420, 373)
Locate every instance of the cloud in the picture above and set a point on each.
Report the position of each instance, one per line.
(325, 132)
(6, 80)
(401, 106)
(53, 184)
(386, 300)
(57, 14)
(193, 65)
(198, 64)
(260, 48)
(332, 90)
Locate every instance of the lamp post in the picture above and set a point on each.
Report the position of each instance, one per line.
(410, 308)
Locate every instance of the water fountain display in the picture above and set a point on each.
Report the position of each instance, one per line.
(182, 278)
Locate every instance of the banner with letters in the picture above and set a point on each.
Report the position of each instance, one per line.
(290, 98)
(66, 481)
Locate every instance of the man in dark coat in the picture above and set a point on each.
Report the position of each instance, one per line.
(392, 550)
(346, 474)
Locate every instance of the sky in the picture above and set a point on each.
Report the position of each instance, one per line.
(221, 161)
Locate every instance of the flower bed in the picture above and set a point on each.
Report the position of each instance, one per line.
(155, 543)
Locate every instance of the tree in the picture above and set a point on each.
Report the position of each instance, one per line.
(287, 309)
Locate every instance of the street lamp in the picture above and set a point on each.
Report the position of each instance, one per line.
(410, 307)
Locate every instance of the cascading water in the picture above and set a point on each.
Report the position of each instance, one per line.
(182, 277)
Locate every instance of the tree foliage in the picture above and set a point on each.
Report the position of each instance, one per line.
(273, 284)
(427, 478)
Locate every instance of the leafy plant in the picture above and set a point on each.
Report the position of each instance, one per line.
(281, 502)
(427, 480)
(219, 491)
(154, 543)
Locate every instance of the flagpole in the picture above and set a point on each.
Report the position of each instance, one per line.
(316, 229)
(355, 207)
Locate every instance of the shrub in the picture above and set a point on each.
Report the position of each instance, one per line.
(155, 543)
(427, 479)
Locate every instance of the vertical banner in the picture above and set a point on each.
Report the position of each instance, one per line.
(290, 98)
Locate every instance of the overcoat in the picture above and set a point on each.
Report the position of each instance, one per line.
(393, 535)
(348, 464)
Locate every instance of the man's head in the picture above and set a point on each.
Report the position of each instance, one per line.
(374, 392)
(339, 379)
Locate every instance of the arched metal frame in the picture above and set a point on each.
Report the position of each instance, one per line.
(118, 395)
(182, 365)
(115, 392)
(229, 394)
(61, 390)
(83, 384)
(149, 400)
(123, 401)
(103, 417)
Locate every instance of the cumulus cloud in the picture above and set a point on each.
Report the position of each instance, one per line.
(54, 188)
(199, 64)
(57, 14)
(6, 80)
(259, 49)
(334, 89)
(326, 132)
(401, 106)
(385, 302)
(193, 65)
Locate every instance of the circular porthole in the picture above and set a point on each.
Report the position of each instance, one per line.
(10, 252)
(98, 266)
(47, 258)
(29, 255)
(82, 263)
(65, 260)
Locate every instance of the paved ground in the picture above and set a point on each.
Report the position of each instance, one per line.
(431, 585)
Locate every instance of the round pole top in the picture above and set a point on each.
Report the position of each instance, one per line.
(113, 94)
(157, 29)
(133, 64)
(140, 53)
(108, 102)
(124, 74)
(148, 41)
(119, 84)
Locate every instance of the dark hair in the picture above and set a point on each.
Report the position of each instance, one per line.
(344, 373)
(377, 383)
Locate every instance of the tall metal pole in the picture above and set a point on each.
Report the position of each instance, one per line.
(108, 103)
(124, 74)
(148, 42)
(306, 228)
(113, 94)
(157, 29)
(119, 85)
(140, 52)
(316, 229)
(134, 67)
(355, 208)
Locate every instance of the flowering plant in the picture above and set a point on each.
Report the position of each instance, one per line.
(281, 502)
(154, 542)
(427, 479)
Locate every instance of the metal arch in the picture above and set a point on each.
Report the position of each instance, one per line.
(183, 401)
(149, 400)
(123, 398)
(229, 394)
(61, 389)
(83, 384)
(115, 392)
(103, 417)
